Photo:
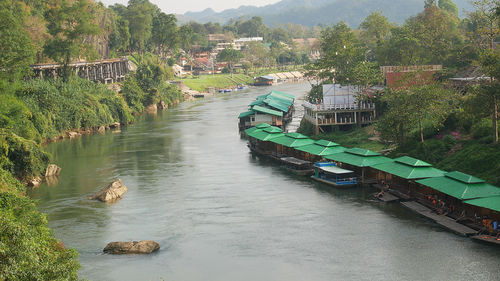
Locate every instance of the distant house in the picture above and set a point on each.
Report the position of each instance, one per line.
(217, 38)
(406, 76)
(340, 106)
(266, 80)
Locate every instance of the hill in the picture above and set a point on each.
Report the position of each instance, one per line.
(314, 12)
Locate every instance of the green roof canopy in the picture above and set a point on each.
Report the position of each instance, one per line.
(246, 114)
(409, 168)
(322, 148)
(277, 105)
(267, 111)
(359, 157)
(257, 102)
(492, 203)
(293, 140)
(283, 94)
(267, 133)
(326, 143)
(461, 186)
(260, 126)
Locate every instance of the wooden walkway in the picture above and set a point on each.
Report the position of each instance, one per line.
(442, 220)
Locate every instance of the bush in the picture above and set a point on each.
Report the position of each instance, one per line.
(28, 251)
(482, 129)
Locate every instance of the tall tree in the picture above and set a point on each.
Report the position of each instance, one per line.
(341, 53)
(165, 32)
(69, 25)
(140, 15)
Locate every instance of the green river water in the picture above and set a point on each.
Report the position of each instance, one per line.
(221, 214)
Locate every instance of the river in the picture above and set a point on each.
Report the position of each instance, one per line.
(221, 214)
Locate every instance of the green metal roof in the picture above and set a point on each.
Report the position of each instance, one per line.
(277, 105)
(267, 111)
(409, 168)
(492, 203)
(359, 157)
(257, 102)
(280, 99)
(283, 94)
(362, 152)
(326, 143)
(455, 184)
(293, 140)
(267, 133)
(246, 114)
(260, 126)
(464, 177)
(320, 150)
(410, 161)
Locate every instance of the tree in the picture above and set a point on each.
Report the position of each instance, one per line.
(341, 53)
(69, 25)
(185, 34)
(119, 38)
(165, 32)
(231, 56)
(140, 15)
(374, 30)
(366, 74)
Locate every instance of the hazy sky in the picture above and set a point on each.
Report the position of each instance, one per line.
(182, 6)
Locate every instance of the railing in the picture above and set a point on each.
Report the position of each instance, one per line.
(350, 106)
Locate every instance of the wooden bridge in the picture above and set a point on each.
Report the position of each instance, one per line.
(102, 71)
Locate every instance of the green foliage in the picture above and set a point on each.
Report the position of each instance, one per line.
(17, 52)
(28, 250)
(27, 159)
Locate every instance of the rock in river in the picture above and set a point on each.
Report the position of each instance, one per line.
(141, 247)
(52, 170)
(112, 192)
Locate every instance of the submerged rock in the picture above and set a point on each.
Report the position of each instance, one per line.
(101, 130)
(141, 247)
(162, 105)
(35, 182)
(73, 135)
(114, 191)
(114, 125)
(52, 170)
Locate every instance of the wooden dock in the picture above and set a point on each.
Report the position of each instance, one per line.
(442, 220)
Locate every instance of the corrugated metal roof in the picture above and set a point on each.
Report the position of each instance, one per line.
(289, 96)
(407, 171)
(365, 158)
(257, 102)
(246, 114)
(460, 189)
(267, 111)
(492, 203)
(273, 129)
(277, 105)
(320, 150)
(464, 177)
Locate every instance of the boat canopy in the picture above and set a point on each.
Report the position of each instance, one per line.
(335, 170)
(461, 186)
(269, 111)
(359, 157)
(295, 161)
(409, 168)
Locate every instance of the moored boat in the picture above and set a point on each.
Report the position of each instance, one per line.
(331, 174)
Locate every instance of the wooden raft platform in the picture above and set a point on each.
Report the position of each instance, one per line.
(387, 198)
(442, 220)
(487, 239)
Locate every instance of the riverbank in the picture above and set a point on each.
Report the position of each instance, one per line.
(204, 83)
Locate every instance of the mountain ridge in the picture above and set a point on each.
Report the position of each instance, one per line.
(314, 12)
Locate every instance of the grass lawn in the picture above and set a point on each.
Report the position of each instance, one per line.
(220, 81)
